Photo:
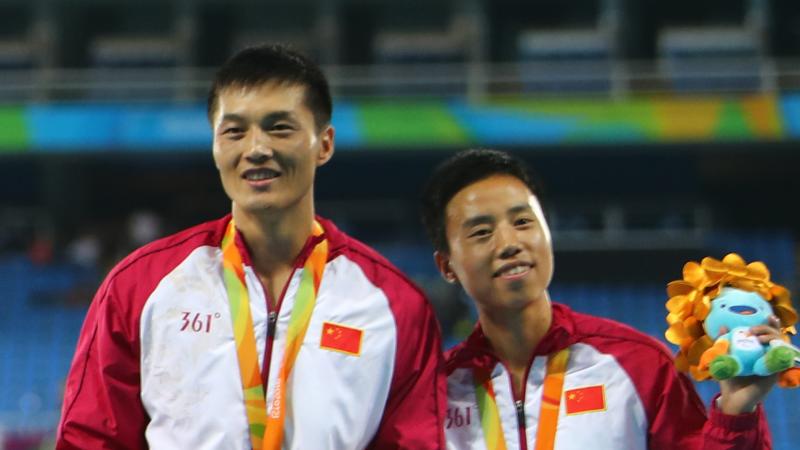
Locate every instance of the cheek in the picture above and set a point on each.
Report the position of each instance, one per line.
(539, 238)
(541, 243)
(222, 156)
(473, 265)
(218, 162)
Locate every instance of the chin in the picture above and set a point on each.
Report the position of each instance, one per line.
(522, 287)
(255, 206)
(523, 296)
(510, 305)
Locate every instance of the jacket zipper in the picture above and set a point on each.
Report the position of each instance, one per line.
(272, 319)
(272, 313)
(272, 323)
(523, 441)
(519, 402)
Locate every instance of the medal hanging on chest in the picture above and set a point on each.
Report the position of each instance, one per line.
(267, 424)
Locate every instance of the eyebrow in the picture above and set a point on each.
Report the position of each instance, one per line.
(520, 209)
(231, 117)
(268, 119)
(477, 220)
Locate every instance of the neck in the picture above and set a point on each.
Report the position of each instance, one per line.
(514, 334)
(274, 239)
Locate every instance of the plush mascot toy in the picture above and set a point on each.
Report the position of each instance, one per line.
(737, 352)
(711, 311)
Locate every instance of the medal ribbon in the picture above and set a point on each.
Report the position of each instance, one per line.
(551, 400)
(552, 390)
(258, 417)
(487, 408)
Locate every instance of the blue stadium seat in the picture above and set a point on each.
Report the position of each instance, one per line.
(36, 352)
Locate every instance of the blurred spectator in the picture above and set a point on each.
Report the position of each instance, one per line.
(84, 255)
(84, 251)
(40, 250)
(143, 227)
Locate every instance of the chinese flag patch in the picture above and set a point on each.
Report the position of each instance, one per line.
(340, 338)
(585, 400)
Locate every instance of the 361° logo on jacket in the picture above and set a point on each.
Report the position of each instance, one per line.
(341, 338)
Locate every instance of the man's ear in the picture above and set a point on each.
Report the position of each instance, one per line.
(326, 145)
(442, 261)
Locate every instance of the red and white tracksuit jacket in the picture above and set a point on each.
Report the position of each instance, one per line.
(156, 363)
(633, 397)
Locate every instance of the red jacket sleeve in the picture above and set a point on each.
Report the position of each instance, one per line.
(413, 415)
(680, 421)
(743, 431)
(102, 407)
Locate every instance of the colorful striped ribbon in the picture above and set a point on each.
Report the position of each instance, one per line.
(548, 416)
(259, 419)
(551, 400)
(487, 407)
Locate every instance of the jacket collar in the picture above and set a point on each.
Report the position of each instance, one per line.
(336, 240)
(476, 350)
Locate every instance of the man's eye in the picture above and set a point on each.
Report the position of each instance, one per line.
(282, 127)
(232, 130)
(523, 221)
(482, 232)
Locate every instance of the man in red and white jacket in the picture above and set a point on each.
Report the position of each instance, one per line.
(535, 374)
(269, 318)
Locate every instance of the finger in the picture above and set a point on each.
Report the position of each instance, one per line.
(765, 333)
(765, 329)
(767, 338)
(773, 325)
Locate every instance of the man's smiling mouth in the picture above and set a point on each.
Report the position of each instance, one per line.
(260, 174)
(513, 270)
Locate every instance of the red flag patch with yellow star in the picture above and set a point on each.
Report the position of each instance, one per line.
(585, 400)
(341, 338)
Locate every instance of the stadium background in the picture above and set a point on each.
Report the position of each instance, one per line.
(660, 131)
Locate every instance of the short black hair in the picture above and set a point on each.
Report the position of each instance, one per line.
(255, 66)
(456, 173)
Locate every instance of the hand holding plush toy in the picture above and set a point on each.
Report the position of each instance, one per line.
(712, 311)
(738, 352)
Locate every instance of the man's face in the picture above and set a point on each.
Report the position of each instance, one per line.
(266, 146)
(499, 244)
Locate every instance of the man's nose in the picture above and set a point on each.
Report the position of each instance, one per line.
(507, 241)
(260, 149)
